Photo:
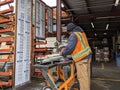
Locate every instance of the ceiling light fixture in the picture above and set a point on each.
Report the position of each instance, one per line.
(105, 33)
(62, 5)
(95, 34)
(116, 2)
(107, 26)
(92, 25)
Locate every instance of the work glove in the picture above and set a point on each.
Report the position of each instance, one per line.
(61, 51)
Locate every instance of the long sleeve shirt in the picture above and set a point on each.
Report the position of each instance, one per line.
(72, 41)
(70, 46)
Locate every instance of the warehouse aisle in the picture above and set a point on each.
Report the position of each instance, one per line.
(107, 78)
(110, 74)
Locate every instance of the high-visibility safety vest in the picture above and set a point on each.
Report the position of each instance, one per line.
(82, 48)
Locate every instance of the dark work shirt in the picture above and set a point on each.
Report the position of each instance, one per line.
(72, 41)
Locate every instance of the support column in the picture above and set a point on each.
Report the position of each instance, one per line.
(58, 20)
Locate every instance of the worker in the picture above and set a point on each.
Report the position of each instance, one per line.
(80, 51)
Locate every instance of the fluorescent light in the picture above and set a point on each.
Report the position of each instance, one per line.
(105, 33)
(92, 25)
(116, 2)
(62, 5)
(95, 34)
(107, 26)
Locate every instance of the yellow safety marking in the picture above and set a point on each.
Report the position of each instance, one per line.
(102, 66)
(106, 79)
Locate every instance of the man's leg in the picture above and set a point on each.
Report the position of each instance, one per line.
(89, 71)
(83, 74)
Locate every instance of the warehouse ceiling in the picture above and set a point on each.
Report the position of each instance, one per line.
(99, 18)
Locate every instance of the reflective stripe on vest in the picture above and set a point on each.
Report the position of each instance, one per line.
(82, 48)
(80, 37)
(85, 51)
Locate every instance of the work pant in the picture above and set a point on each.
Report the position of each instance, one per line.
(83, 73)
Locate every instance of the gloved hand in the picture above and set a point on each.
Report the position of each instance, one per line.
(61, 51)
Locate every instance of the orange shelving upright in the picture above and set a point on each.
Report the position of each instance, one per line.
(42, 25)
(6, 44)
(38, 36)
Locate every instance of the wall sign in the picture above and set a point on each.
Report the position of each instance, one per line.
(23, 42)
(40, 19)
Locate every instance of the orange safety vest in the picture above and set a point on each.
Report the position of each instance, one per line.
(82, 48)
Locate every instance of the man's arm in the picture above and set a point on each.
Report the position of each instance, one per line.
(70, 46)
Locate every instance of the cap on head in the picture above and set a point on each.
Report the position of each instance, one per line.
(70, 27)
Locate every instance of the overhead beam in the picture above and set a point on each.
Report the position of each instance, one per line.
(113, 7)
(99, 15)
(67, 6)
(99, 36)
(102, 15)
(58, 20)
(96, 22)
(89, 10)
(87, 5)
(56, 7)
(102, 31)
(101, 6)
(112, 10)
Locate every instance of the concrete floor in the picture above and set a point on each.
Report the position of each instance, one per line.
(107, 78)
(110, 74)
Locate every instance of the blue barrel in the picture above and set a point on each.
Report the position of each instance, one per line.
(118, 60)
